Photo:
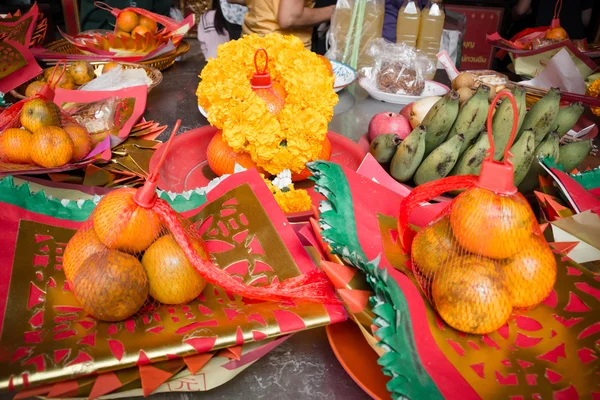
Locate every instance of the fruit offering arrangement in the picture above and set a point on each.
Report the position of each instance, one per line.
(36, 131)
(448, 138)
(477, 281)
(134, 245)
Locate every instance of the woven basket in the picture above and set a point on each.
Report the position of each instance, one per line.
(160, 63)
(152, 73)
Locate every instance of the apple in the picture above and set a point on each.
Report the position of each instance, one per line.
(389, 122)
(405, 112)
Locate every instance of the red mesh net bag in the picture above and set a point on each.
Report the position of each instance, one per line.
(36, 131)
(485, 258)
(134, 245)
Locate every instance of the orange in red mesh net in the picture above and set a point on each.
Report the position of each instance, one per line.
(484, 258)
(134, 244)
(272, 92)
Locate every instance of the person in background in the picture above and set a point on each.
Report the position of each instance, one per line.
(390, 19)
(212, 31)
(234, 16)
(94, 18)
(290, 17)
(574, 15)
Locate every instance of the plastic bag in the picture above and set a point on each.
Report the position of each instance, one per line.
(118, 78)
(353, 25)
(397, 68)
(484, 258)
(134, 245)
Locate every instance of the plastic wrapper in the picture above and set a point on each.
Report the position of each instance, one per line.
(353, 25)
(118, 78)
(484, 259)
(397, 68)
(135, 245)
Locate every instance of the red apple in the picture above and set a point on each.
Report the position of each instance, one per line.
(405, 112)
(389, 122)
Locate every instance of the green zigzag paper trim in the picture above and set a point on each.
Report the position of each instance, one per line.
(401, 360)
(588, 179)
(38, 202)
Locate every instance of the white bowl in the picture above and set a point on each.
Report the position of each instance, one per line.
(431, 89)
(345, 75)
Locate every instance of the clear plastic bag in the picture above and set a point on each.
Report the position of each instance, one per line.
(397, 68)
(118, 78)
(97, 116)
(353, 25)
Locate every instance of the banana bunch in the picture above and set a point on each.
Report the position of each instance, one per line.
(451, 139)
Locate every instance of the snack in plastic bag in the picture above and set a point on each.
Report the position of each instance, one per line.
(398, 68)
(485, 257)
(37, 131)
(135, 244)
(96, 116)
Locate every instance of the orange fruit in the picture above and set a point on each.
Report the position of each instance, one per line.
(557, 33)
(108, 66)
(81, 246)
(34, 88)
(112, 287)
(531, 273)
(65, 82)
(51, 147)
(471, 295)
(148, 23)
(121, 224)
(139, 30)
(82, 141)
(82, 72)
(171, 277)
(127, 20)
(327, 63)
(325, 154)
(222, 159)
(274, 97)
(37, 113)
(491, 225)
(15, 145)
(123, 34)
(434, 247)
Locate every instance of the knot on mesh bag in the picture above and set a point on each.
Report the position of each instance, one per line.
(484, 258)
(135, 244)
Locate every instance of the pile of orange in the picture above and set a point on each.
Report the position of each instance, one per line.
(42, 138)
(122, 254)
(78, 73)
(483, 260)
(130, 24)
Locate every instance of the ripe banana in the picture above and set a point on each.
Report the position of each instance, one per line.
(471, 117)
(548, 148)
(567, 118)
(541, 115)
(572, 154)
(503, 120)
(439, 120)
(440, 162)
(409, 155)
(383, 147)
(470, 162)
(522, 152)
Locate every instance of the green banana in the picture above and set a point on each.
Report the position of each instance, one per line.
(470, 162)
(471, 117)
(502, 122)
(383, 147)
(440, 162)
(522, 152)
(521, 99)
(439, 120)
(549, 147)
(567, 118)
(572, 154)
(541, 115)
(409, 155)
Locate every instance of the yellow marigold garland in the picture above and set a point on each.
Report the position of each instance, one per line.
(226, 94)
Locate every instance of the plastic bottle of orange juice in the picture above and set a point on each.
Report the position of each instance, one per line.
(430, 31)
(407, 28)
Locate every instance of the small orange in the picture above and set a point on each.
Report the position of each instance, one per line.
(82, 72)
(127, 21)
(108, 66)
(531, 273)
(557, 33)
(274, 97)
(222, 159)
(491, 225)
(65, 82)
(471, 295)
(325, 154)
(148, 23)
(327, 64)
(38, 113)
(434, 247)
(139, 30)
(122, 224)
(51, 147)
(123, 34)
(81, 246)
(82, 142)
(34, 88)
(15, 145)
